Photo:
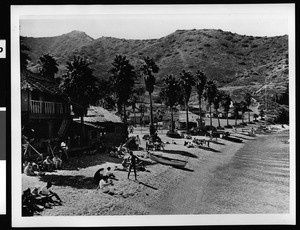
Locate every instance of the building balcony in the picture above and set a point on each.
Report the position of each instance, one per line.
(46, 108)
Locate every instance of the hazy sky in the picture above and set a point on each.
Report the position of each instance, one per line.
(144, 22)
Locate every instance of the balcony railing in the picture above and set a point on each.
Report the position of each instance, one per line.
(46, 107)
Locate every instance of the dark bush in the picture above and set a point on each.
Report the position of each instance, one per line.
(228, 126)
(173, 134)
(282, 117)
(210, 128)
(198, 131)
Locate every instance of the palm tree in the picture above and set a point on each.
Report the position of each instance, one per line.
(243, 107)
(48, 66)
(247, 99)
(200, 80)
(80, 85)
(186, 81)
(261, 114)
(134, 99)
(122, 79)
(170, 93)
(148, 69)
(236, 109)
(24, 57)
(210, 92)
(216, 103)
(226, 101)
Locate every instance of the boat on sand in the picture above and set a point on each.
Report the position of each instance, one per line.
(167, 161)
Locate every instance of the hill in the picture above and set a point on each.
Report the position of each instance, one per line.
(237, 63)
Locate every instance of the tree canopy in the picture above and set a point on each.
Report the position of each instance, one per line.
(122, 79)
(80, 85)
(48, 66)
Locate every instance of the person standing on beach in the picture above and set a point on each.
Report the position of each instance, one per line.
(133, 160)
(64, 148)
(138, 142)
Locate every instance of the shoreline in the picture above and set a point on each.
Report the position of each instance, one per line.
(161, 190)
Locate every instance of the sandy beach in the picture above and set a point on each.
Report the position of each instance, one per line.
(227, 177)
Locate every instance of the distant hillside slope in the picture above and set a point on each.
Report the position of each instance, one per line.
(236, 62)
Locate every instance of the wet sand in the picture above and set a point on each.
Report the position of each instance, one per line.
(253, 178)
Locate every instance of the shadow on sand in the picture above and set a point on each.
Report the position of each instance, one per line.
(79, 182)
(233, 139)
(217, 143)
(184, 169)
(208, 149)
(149, 186)
(77, 162)
(183, 153)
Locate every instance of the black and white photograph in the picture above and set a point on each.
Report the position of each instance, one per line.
(153, 115)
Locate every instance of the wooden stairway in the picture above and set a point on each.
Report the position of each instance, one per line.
(64, 127)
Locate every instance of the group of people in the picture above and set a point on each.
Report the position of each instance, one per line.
(32, 168)
(36, 200)
(105, 176)
(52, 164)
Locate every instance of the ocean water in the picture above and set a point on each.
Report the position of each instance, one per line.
(256, 180)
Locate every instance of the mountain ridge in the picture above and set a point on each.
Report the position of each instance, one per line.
(238, 63)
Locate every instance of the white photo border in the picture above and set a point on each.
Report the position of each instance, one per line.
(18, 12)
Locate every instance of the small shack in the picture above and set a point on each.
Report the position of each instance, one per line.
(179, 118)
(104, 125)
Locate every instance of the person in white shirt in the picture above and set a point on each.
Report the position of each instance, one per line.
(45, 191)
(48, 164)
(109, 173)
(57, 161)
(64, 148)
(104, 182)
(137, 142)
(28, 170)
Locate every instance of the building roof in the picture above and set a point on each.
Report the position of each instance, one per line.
(181, 116)
(98, 114)
(89, 124)
(33, 81)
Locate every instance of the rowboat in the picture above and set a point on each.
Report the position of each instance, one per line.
(167, 160)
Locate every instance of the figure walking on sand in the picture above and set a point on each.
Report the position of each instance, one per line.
(133, 160)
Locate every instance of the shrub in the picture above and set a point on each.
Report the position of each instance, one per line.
(229, 37)
(254, 46)
(173, 134)
(207, 45)
(228, 126)
(224, 44)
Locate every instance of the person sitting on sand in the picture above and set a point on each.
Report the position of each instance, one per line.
(29, 206)
(28, 170)
(39, 199)
(104, 182)
(57, 162)
(98, 175)
(108, 173)
(48, 164)
(45, 191)
(121, 149)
